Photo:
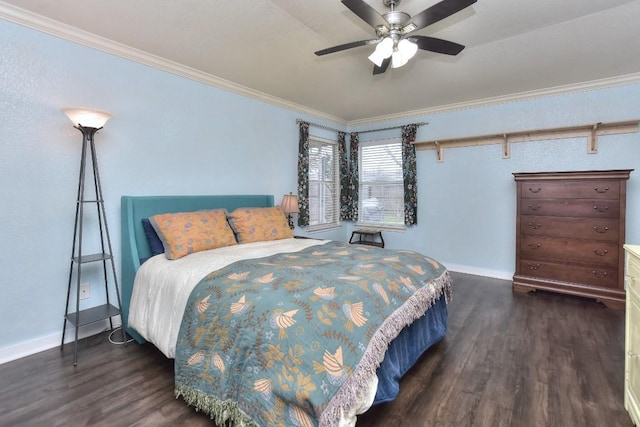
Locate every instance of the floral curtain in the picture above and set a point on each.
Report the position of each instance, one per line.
(345, 198)
(409, 174)
(353, 186)
(303, 174)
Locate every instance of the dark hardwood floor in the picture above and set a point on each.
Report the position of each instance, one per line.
(508, 360)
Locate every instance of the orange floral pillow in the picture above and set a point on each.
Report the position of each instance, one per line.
(259, 224)
(184, 233)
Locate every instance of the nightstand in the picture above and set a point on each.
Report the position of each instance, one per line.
(367, 236)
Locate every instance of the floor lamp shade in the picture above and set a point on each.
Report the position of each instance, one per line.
(87, 118)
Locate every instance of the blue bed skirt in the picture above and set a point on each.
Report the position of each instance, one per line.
(406, 349)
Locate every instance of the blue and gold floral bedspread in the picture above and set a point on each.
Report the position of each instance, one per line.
(292, 339)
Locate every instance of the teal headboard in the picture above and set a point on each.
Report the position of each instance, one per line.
(134, 242)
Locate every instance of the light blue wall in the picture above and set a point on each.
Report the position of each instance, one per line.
(466, 214)
(170, 135)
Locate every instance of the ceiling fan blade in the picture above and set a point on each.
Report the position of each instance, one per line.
(437, 45)
(436, 13)
(383, 67)
(346, 46)
(366, 13)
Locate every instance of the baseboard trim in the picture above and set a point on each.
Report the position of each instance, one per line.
(28, 348)
(494, 274)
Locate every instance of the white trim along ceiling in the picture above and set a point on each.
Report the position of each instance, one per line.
(512, 47)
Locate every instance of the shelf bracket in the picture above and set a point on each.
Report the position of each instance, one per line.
(592, 140)
(506, 147)
(439, 152)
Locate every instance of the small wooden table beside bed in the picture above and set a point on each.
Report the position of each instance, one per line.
(266, 329)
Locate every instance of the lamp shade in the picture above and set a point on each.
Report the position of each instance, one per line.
(384, 49)
(87, 118)
(407, 48)
(290, 203)
(404, 52)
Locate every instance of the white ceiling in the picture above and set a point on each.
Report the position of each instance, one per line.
(265, 48)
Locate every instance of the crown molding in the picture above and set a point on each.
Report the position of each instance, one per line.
(58, 29)
(55, 28)
(521, 96)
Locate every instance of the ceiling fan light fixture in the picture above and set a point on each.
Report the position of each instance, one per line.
(403, 53)
(408, 48)
(397, 60)
(384, 49)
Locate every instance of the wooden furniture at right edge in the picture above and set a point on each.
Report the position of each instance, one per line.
(632, 334)
(570, 233)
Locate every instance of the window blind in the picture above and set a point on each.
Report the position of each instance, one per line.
(324, 187)
(381, 188)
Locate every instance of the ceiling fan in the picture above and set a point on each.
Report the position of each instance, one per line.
(394, 43)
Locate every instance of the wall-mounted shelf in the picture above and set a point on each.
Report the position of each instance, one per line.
(590, 132)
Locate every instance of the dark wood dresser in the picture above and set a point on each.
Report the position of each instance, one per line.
(570, 232)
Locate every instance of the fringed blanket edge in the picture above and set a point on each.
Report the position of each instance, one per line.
(355, 386)
(221, 411)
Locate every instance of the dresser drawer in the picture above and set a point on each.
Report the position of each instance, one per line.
(601, 189)
(584, 228)
(596, 208)
(557, 248)
(601, 276)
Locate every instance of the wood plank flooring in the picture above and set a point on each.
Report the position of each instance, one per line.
(508, 360)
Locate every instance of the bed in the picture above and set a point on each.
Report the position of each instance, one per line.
(263, 333)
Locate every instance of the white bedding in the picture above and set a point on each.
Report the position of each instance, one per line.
(162, 287)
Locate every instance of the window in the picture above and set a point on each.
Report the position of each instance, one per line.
(381, 190)
(324, 185)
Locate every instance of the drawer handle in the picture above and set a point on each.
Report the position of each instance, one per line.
(537, 190)
(535, 226)
(603, 209)
(535, 245)
(533, 266)
(598, 230)
(535, 208)
(597, 190)
(600, 276)
(600, 253)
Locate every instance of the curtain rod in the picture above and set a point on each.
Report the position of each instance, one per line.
(392, 127)
(298, 121)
